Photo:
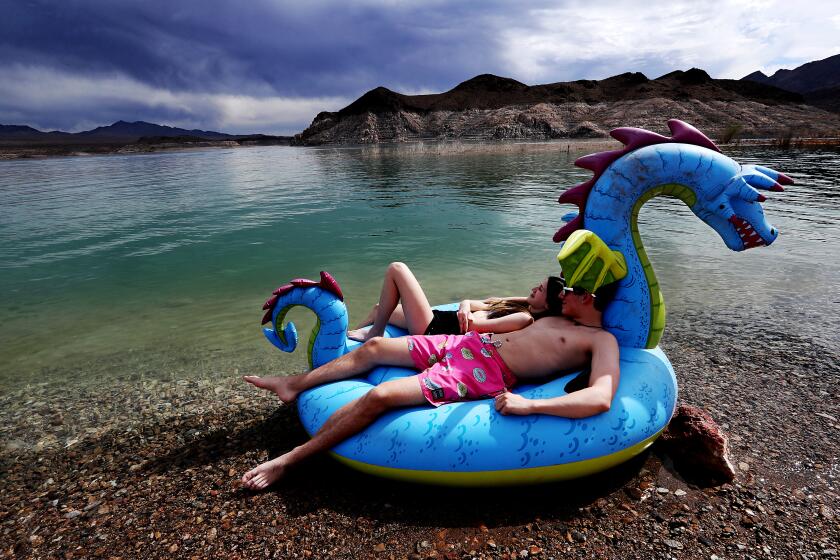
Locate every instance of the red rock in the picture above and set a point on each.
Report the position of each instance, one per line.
(697, 445)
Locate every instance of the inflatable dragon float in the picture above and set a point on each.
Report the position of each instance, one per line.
(469, 443)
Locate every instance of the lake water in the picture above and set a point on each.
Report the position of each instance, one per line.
(158, 264)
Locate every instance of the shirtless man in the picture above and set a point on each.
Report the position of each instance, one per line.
(571, 338)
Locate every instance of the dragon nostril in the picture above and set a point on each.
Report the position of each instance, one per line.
(722, 206)
(772, 231)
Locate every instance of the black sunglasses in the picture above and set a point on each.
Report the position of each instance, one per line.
(556, 284)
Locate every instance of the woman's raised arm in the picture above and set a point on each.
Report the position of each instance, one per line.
(508, 323)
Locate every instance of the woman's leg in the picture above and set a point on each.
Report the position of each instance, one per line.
(401, 287)
(397, 319)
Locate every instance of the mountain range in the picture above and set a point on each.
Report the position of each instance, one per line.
(818, 82)
(494, 107)
(804, 101)
(121, 132)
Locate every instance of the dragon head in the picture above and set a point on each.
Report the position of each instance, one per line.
(726, 195)
(733, 207)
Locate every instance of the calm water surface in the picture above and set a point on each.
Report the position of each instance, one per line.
(158, 264)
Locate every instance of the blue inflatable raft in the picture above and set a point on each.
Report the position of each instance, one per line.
(469, 443)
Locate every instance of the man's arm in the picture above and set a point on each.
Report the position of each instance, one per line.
(594, 399)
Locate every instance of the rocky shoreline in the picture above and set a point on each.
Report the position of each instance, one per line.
(12, 151)
(150, 468)
(435, 147)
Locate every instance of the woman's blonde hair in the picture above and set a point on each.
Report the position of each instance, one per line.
(499, 307)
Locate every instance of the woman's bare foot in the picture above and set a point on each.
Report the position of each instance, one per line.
(359, 334)
(282, 386)
(264, 475)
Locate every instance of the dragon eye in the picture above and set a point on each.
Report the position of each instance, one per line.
(722, 206)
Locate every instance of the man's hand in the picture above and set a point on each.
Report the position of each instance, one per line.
(508, 403)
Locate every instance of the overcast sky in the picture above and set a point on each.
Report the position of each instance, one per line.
(270, 66)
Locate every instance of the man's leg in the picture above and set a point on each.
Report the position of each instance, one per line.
(375, 352)
(348, 420)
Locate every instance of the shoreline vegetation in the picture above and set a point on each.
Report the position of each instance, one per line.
(9, 151)
(149, 464)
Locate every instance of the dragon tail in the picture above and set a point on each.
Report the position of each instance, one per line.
(324, 298)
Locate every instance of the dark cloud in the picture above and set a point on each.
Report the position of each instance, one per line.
(257, 47)
(74, 63)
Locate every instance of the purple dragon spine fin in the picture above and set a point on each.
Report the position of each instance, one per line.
(686, 134)
(267, 317)
(634, 138)
(577, 196)
(329, 283)
(597, 163)
(564, 232)
(282, 289)
(269, 303)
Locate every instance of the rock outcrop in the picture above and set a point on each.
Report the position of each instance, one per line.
(490, 107)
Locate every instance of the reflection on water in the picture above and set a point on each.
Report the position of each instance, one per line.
(170, 255)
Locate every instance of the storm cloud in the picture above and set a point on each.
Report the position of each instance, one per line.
(270, 66)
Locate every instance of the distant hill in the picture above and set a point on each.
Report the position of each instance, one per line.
(121, 132)
(138, 129)
(494, 107)
(818, 82)
(21, 141)
(802, 79)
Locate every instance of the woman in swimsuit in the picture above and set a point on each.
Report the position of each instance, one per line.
(402, 303)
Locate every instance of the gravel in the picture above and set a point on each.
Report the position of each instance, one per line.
(150, 469)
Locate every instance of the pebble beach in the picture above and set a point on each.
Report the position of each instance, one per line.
(125, 430)
(149, 467)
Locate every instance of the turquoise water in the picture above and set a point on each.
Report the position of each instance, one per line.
(158, 264)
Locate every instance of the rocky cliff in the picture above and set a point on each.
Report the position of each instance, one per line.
(492, 107)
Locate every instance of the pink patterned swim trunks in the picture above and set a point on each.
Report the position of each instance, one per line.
(459, 367)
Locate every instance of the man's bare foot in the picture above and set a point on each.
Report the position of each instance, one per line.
(282, 386)
(264, 475)
(359, 334)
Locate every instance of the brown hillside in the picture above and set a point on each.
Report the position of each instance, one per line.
(493, 107)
